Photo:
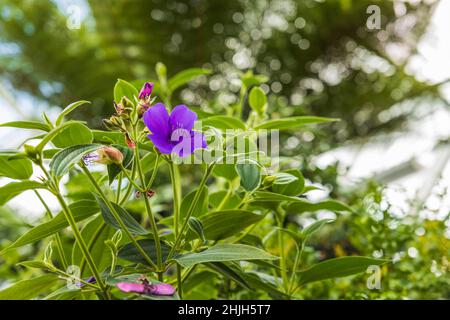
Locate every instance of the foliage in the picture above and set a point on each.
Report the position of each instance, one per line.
(180, 240)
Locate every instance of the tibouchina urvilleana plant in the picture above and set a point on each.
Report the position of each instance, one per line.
(168, 201)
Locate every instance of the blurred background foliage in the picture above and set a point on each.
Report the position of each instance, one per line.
(320, 59)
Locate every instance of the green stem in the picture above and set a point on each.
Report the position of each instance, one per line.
(190, 210)
(179, 282)
(59, 245)
(155, 170)
(91, 243)
(76, 232)
(176, 198)
(119, 187)
(150, 214)
(117, 217)
(130, 179)
(279, 218)
(82, 244)
(130, 186)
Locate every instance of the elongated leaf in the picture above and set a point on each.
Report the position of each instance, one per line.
(15, 168)
(65, 159)
(71, 107)
(124, 89)
(29, 289)
(74, 134)
(185, 76)
(224, 252)
(130, 253)
(303, 206)
(12, 189)
(338, 267)
(229, 271)
(309, 230)
(292, 122)
(299, 205)
(34, 125)
(80, 210)
(223, 122)
(270, 196)
(223, 224)
(197, 227)
(132, 225)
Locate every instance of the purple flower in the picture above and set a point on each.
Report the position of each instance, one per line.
(162, 289)
(146, 91)
(173, 133)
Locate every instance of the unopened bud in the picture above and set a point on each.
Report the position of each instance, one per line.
(109, 155)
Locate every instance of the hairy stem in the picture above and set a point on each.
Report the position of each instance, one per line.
(149, 213)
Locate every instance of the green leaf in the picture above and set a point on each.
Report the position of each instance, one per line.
(202, 204)
(74, 134)
(132, 225)
(53, 133)
(276, 197)
(223, 224)
(185, 76)
(250, 174)
(249, 79)
(290, 183)
(71, 107)
(125, 89)
(336, 268)
(80, 210)
(15, 168)
(309, 230)
(229, 271)
(94, 233)
(34, 125)
(130, 253)
(34, 264)
(224, 252)
(12, 189)
(114, 169)
(223, 122)
(227, 171)
(216, 198)
(29, 289)
(65, 159)
(197, 227)
(108, 137)
(331, 205)
(257, 100)
(292, 122)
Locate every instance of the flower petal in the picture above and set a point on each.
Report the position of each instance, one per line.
(161, 143)
(198, 140)
(131, 287)
(182, 117)
(157, 120)
(162, 289)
